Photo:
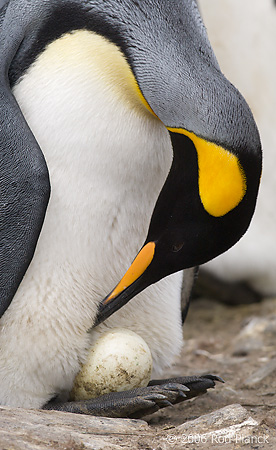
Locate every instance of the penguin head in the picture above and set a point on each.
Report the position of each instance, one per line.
(209, 197)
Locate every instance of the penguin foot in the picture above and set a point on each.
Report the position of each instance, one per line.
(140, 402)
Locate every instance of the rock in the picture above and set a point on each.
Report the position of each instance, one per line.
(231, 424)
(259, 332)
(227, 416)
(260, 374)
(22, 429)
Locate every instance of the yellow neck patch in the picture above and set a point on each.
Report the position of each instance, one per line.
(221, 178)
(86, 52)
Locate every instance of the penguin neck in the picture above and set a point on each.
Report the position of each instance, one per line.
(108, 156)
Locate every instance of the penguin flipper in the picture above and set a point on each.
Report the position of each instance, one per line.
(143, 401)
(24, 181)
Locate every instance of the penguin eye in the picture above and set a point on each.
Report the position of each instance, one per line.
(177, 247)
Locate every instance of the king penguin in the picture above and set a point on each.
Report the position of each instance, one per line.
(119, 136)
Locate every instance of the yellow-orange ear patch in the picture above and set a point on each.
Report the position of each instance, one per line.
(222, 183)
(221, 178)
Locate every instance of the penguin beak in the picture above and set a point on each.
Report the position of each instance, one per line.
(129, 286)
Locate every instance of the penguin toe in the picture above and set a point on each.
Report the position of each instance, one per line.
(195, 385)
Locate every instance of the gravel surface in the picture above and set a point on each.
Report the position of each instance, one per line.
(239, 344)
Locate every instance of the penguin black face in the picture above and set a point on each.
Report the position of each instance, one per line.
(210, 194)
(183, 233)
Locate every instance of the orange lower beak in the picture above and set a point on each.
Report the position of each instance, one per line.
(137, 268)
(121, 294)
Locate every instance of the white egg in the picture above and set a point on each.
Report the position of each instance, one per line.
(119, 360)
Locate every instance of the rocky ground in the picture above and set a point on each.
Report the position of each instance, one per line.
(238, 343)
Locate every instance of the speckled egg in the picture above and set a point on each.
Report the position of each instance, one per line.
(120, 360)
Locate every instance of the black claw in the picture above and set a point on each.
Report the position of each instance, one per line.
(182, 395)
(176, 386)
(154, 397)
(213, 377)
(165, 403)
